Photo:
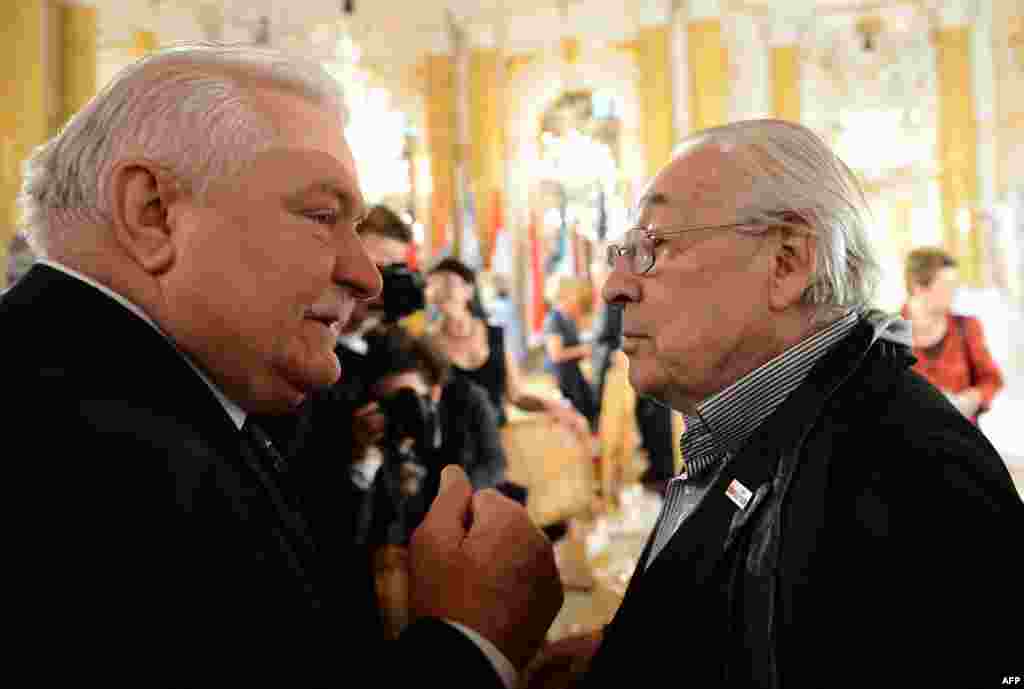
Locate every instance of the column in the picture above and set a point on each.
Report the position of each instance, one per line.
(653, 54)
(24, 119)
(78, 58)
(749, 71)
(958, 140)
(784, 32)
(708, 62)
(441, 139)
(986, 118)
(487, 140)
(678, 59)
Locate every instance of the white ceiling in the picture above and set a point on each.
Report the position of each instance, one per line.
(399, 31)
(394, 34)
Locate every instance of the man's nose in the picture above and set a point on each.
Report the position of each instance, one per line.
(353, 268)
(621, 286)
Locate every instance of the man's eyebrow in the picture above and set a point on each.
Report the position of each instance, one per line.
(351, 204)
(654, 199)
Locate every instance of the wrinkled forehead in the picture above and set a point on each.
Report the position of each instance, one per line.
(703, 185)
(309, 163)
(306, 173)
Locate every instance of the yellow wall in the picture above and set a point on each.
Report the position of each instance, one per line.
(24, 121)
(78, 58)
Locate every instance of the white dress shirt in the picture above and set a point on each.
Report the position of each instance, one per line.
(501, 664)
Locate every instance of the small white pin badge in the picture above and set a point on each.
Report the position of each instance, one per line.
(738, 493)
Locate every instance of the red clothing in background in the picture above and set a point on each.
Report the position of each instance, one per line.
(961, 360)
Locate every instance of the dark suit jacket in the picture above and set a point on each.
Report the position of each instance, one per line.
(607, 339)
(470, 434)
(151, 544)
(880, 547)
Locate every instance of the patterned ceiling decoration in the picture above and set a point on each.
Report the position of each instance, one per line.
(875, 73)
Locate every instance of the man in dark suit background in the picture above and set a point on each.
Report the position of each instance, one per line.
(196, 222)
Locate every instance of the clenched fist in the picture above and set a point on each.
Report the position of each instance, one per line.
(478, 560)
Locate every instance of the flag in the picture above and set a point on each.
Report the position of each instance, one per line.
(469, 249)
(412, 256)
(537, 306)
(495, 227)
(502, 248)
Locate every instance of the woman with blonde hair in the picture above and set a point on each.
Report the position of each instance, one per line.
(563, 350)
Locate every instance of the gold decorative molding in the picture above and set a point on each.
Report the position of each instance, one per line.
(632, 47)
(570, 49)
(514, 63)
(143, 43)
(1016, 41)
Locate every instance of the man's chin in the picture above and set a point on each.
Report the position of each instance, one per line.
(301, 381)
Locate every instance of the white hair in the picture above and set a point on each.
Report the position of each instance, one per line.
(188, 107)
(787, 171)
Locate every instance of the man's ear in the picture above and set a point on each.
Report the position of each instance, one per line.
(141, 192)
(793, 267)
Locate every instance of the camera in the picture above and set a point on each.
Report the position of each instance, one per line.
(409, 448)
(412, 425)
(403, 292)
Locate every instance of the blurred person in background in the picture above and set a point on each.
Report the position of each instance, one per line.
(420, 419)
(563, 349)
(477, 351)
(950, 348)
(505, 314)
(20, 258)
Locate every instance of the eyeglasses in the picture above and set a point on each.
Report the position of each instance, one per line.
(639, 243)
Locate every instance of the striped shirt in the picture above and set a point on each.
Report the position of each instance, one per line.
(725, 421)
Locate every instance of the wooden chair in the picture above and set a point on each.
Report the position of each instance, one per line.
(554, 464)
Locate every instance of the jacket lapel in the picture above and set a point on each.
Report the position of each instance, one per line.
(761, 468)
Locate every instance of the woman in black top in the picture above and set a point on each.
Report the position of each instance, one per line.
(562, 347)
(476, 350)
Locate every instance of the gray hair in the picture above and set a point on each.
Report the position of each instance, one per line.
(789, 172)
(188, 107)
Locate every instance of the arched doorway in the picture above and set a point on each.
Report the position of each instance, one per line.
(598, 94)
